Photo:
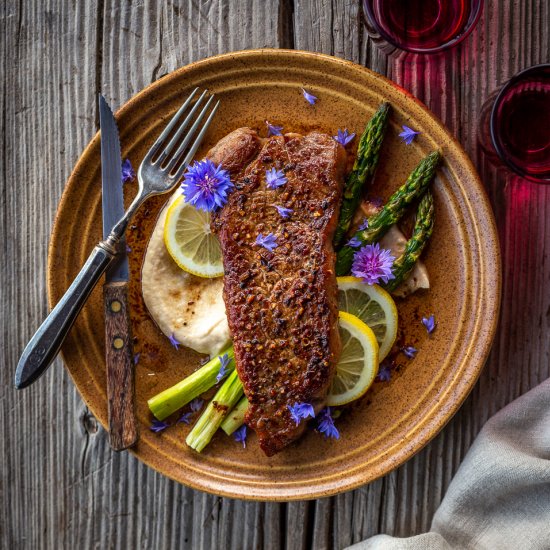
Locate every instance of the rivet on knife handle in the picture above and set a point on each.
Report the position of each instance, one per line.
(120, 367)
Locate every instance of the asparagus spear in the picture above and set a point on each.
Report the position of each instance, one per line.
(224, 400)
(422, 231)
(367, 158)
(169, 401)
(235, 419)
(415, 186)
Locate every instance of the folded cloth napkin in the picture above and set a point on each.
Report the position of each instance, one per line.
(500, 497)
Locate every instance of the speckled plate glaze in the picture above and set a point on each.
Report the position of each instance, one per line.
(396, 418)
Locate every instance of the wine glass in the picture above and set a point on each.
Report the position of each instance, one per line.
(420, 26)
(515, 125)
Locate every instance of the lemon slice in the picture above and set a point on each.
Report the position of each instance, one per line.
(358, 363)
(374, 306)
(190, 242)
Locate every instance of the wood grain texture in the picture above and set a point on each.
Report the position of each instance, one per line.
(61, 486)
(119, 361)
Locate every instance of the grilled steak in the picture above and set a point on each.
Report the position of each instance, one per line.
(235, 151)
(282, 304)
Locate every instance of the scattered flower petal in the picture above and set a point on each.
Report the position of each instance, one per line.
(269, 241)
(326, 424)
(373, 264)
(300, 411)
(344, 137)
(128, 249)
(174, 341)
(224, 360)
(409, 351)
(136, 358)
(284, 212)
(128, 173)
(364, 225)
(354, 242)
(206, 185)
(158, 426)
(384, 371)
(376, 201)
(275, 178)
(429, 323)
(196, 404)
(185, 418)
(310, 98)
(408, 134)
(240, 435)
(273, 130)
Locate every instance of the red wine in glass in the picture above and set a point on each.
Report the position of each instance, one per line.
(422, 26)
(520, 124)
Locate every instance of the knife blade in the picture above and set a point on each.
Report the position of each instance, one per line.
(118, 338)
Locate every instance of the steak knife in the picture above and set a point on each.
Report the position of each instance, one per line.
(118, 337)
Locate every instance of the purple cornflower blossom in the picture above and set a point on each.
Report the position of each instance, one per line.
(409, 351)
(275, 178)
(158, 426)
(284, 212)
(174, 341)
(240, 435)
(310, 98)
(206, 185)
(185, 418)
(429, 323)
(224, 360)
(408, 134)
(128, 173)
(364, 225)
(273, 130)
(373, 264)
(343, 137)
(300, 410)
(326, 424)
(269, 241)
(136, 358)
(384, 371)
(354, 242)
(196, 404)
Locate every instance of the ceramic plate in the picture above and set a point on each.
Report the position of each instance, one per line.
(396, 418)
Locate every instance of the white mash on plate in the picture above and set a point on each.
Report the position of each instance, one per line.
(189, 307)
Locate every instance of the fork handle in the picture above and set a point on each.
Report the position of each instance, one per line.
(47, 340)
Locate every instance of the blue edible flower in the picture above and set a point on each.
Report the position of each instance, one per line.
(300, 411)
(269, 241)
(206, 185)
(408, 134)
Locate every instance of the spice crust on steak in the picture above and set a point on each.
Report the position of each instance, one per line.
(282, 304)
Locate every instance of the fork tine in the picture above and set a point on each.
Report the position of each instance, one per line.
(196, 143)
(166, 132)
(189, 135)
(166, 152)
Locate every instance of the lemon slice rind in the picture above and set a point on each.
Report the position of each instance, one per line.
(358, 363)
(190, 243)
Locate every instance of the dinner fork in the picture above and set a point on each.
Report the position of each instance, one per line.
(159, 172)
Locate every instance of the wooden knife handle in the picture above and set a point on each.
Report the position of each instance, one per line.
(120, 366)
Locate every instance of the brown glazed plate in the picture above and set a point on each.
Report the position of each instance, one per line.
(396, 418)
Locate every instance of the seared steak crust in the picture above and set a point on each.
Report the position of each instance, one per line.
(282, 304)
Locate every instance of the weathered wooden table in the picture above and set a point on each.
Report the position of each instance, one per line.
(61, 485)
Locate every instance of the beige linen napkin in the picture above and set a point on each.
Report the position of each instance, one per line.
(500, 497)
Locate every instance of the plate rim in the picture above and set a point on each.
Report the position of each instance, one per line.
(480, 349)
